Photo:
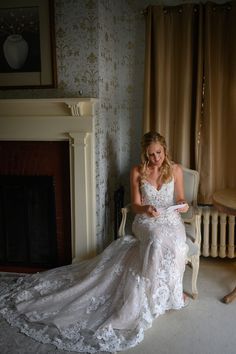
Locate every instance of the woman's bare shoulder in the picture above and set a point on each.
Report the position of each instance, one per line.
(135, 172)
(135, 169)
(177, 170)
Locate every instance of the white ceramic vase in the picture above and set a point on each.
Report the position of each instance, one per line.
(15, 49)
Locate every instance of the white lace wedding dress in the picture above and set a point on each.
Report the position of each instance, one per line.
(106, 303)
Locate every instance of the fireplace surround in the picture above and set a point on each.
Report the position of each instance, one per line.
(62, 119)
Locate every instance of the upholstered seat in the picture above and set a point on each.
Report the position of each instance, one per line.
(192, 221)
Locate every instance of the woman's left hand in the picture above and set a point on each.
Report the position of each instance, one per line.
(185, 208)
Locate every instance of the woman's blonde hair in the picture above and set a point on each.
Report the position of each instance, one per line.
(166, 167)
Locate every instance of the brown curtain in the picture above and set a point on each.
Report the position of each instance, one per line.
(189, 88)
(217, 153)
(173, 74)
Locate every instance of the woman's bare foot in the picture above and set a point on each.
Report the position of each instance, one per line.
(186, 300)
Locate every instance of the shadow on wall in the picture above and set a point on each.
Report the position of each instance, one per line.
(117, 192)
(112, 183)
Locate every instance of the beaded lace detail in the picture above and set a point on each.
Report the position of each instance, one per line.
(106, 304)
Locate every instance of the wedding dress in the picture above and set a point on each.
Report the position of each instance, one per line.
(106, 303)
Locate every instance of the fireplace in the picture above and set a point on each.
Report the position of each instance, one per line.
(34, 180)
(62, 121)
(28, 232)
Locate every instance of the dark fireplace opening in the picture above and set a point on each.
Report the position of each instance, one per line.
(35, 214)
(27, 221)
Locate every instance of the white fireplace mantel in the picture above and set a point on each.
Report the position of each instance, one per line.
(69, 119)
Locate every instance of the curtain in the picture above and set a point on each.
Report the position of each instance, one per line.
(190, 88)
(173, 74)
(217, 127)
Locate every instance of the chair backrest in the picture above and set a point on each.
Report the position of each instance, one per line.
(191, 183)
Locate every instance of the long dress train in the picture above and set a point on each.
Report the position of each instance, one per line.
(106, 303)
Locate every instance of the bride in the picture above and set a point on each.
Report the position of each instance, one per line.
(106, 303)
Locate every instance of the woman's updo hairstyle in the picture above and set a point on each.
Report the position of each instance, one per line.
(166, 168)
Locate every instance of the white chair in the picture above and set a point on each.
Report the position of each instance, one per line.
(192, 221)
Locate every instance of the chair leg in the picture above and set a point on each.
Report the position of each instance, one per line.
(195, 269)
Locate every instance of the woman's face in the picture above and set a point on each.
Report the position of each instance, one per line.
(156, 154)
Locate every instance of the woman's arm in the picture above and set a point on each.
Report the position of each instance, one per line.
(136, 202)
(179, 187)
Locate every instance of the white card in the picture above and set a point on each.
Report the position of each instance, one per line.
(176, 206)
(172, 207)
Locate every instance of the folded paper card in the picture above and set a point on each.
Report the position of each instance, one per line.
(172, 207)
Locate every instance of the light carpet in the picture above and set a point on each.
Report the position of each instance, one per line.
(206, 326)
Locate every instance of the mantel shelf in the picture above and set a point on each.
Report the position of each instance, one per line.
(76, 107)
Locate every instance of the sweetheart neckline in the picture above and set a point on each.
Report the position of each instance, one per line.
(150, 184)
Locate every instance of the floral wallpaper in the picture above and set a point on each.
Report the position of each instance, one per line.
(100, 48)
(97, 57)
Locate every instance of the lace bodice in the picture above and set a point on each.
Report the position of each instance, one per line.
(158, 198)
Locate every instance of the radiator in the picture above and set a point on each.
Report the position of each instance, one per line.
(218, 233)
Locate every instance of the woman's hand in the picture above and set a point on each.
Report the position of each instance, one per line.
(183, 209)
(151, 211)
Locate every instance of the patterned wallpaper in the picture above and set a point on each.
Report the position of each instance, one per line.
(100, 53)
(119, 124)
